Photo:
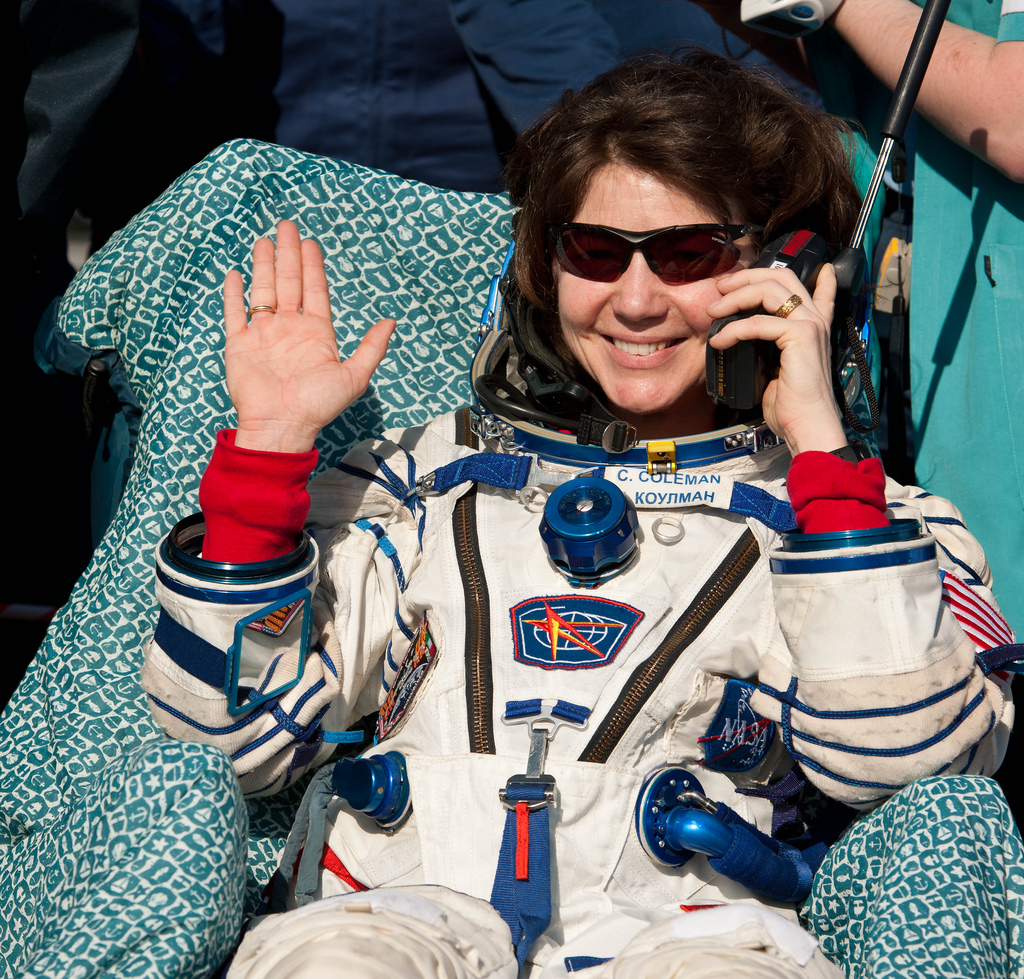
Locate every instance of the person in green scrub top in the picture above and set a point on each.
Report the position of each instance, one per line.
(967, 283)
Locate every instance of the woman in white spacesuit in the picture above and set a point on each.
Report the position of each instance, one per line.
(620, 640)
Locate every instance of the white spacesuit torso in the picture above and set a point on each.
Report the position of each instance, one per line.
(717, 651)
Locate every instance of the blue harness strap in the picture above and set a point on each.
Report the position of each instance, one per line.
(1009, 658)
(522, 882)
(489, 468)
(752, 501)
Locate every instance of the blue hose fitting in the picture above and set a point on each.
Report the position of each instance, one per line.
(674, 819)
(589, 530)
(375, 784)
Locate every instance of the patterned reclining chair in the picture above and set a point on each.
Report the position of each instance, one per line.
(152, 294)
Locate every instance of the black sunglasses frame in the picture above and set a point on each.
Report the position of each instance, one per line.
(640, 239)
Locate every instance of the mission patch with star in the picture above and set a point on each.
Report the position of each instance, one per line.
(571, 632)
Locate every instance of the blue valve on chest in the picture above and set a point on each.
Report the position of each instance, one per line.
(589, 530)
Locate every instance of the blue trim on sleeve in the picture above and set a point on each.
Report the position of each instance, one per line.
(271, 669)
(257, 596)
(369, 476)
(973, 578)
(406, 631)
(859, 783)
(950, 521)
(889, 559)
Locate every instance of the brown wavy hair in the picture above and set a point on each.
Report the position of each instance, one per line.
(731, 137)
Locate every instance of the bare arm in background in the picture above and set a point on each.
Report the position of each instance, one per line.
(973, 90)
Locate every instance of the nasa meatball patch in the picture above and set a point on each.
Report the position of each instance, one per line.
(571, 632)
(738, 738)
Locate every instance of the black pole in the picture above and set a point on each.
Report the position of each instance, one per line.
(909, 84)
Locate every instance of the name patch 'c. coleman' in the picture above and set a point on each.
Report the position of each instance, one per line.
(411, 675)
(669, 490)
(571, 632)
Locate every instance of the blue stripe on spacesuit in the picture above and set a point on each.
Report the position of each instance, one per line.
(271, 669)
(387, 548)
(912, 749)
(406, 631)
(250, 718)
(325, 659)
(951, 521)
(818, 767)
(814, 766)
(399, 491)
(974, 578)
(286, 723)
(789, 699)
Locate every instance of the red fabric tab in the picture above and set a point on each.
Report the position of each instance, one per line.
(830, 494)
(332, 863)
(255, 503)
(522, 841)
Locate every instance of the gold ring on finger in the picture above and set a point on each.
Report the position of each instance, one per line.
(262, 309)
(788, 306)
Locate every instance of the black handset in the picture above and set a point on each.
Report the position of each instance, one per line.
(737, 377)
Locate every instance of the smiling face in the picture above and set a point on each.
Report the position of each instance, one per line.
(641, 339)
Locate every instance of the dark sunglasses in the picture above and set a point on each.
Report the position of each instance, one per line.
(684, 253)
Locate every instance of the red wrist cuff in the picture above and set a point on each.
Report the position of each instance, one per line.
(255, 503)
(830, 494)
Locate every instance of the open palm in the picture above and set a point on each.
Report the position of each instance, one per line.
(284, 375)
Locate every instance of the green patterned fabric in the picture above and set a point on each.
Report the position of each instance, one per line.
(141, 877)
(393, 248)
(930, 884)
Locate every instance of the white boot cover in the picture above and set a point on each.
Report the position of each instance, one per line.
(416, 932)
(738, 941)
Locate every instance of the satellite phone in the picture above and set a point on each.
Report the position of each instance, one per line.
(737, 377)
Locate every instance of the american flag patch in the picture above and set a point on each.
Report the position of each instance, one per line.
(984, 626)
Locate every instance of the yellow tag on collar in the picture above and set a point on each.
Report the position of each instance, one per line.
(661, 456)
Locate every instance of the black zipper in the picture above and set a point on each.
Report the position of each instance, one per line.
(479, 683)
(648, 675)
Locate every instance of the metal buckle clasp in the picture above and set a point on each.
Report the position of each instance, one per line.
(548, 781)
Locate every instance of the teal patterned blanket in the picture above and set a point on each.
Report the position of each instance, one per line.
(393, 248)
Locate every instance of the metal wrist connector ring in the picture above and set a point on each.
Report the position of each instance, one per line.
(788, 306)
